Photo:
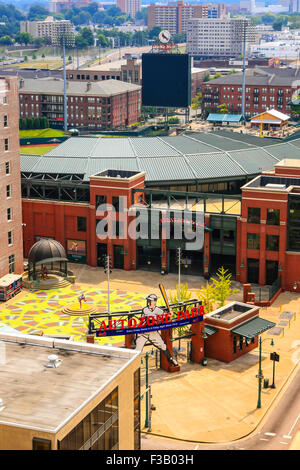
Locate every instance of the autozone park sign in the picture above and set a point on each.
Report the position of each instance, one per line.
(145, 324)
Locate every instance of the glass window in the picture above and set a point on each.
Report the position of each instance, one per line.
(100, 200)
(253, 241)
(10, 238)
(6, 145)
(272, 242)
(9, 214)
(5, 122)
(253, 215)
(8, 190)
(11, 264)
(273, 216)
(81, 224)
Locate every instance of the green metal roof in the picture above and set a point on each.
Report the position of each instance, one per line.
(210, 330)
(253, 327)
(207, 156)
(218, 117)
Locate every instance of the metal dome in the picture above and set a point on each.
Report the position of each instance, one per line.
(46, 249)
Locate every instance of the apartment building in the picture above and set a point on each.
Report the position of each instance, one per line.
(218, 37)
(130, 7)
(174, 16)
(50, 28)
(91, 105)
(11, 243)
(266, 87)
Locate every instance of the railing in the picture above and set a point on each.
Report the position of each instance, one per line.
(266, 293)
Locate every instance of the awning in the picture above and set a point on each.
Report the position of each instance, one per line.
(218, 117)
(253, 327)
(210, 330)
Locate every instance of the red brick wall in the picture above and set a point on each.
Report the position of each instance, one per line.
(220, 346)
(9, 90)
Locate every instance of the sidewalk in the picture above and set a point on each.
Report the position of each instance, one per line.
(217, 403)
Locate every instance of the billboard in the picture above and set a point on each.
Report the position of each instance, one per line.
(166, 80)
(76, 251)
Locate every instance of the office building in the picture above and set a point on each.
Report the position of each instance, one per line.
(50, 28)
(11, 243)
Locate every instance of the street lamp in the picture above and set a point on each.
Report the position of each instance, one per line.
(147, 354)
(260, 376)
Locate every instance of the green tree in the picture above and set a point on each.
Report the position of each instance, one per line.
(217, 75)
(206, 77)
(25, 58)
(222, 286)
(24, 38)
(222, 108)
(197, 102)
(36, 123)
(207, 294)
(33, 56)
(6, 40)
(185, 295)
(277, 25)
(43, 56)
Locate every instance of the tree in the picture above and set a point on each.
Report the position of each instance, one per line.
(185, 294)
(33, 56)
(37, 12)
(6, 40)
(154, 32)
(43, 56)
(222, 286)
(24, 38)
(277, 25)
(222, 109)
(197, 102)
(207, 295)
(206, 77)
(36, 123)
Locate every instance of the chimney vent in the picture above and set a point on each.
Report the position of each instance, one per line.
(53, 361)
(88, 86)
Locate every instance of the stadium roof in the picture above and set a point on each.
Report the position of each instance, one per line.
(212, 156)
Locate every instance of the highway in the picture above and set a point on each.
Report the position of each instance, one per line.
(276, 431)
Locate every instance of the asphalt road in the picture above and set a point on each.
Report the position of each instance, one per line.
(275, 433)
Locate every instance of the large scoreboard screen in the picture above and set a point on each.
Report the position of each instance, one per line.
(166, 80)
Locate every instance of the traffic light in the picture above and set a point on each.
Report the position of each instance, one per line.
(107, 264)
(178, 256)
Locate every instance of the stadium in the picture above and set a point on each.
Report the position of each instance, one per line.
(201, 171)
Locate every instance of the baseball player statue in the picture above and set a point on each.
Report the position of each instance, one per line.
(81, 299)
(151, 310)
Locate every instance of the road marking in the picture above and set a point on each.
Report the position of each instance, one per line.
(294, 424)
(287, 437)
(262, 439)
(270, 434)
(286, 443)
(197, 447)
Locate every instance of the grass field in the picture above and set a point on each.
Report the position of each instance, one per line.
(36, 149)
(26, 134)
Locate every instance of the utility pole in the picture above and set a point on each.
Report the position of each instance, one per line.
(108, 270)
(65, 86)
(244, 69)
(179, 273)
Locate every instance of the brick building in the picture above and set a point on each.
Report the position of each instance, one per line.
(174, 16)
(266, 87)
(130, 7)
(11, 244)
(91, 105)
(255, 235)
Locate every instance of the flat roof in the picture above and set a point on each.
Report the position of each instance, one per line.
(231, 312)
(46, 398)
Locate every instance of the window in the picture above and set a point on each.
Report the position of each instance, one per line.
(5, 122)
(253, 241)
(7, 168)
(99, 430)
(6, 145)
(115, 203)
(8, 190)
(253, 215)
(9, 214)
(41, 444)
(272, 242)
(81, 224)
(10, 238)
(100, 200)
(273, 216)
(11, 264)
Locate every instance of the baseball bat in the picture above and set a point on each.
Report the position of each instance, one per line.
(164, 294)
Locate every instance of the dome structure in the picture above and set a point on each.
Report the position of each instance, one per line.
(46, 250)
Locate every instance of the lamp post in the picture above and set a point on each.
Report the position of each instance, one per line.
(108, 270)
(179, 272)
(147, 354)
(260, 376)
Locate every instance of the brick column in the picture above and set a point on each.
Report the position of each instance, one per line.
(206, 249)
(164, 363)
(262, 252)
(197, 342)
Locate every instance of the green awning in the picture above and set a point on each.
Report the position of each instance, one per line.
(210, 330)
(253, 327)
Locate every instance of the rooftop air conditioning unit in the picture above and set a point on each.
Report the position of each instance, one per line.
(275, 186)
(53, 361)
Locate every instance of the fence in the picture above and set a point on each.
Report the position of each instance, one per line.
(266, 293)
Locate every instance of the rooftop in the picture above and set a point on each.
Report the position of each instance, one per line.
(210, 156)
(261, 76)
(46, 398)
(56, 86)
(231, 312)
